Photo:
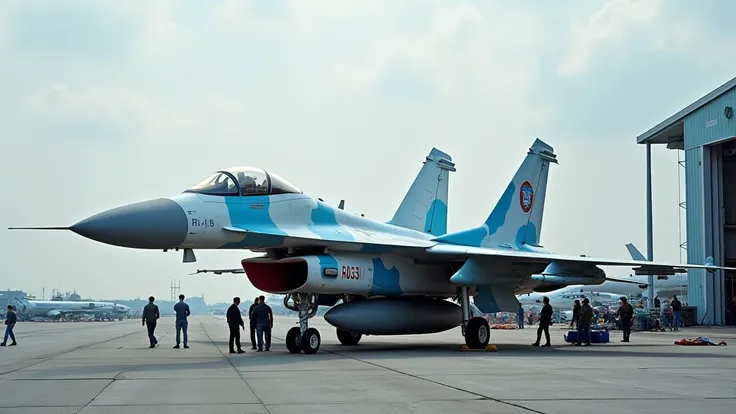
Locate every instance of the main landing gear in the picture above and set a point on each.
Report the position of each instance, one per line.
(302, 338)
(477, 332)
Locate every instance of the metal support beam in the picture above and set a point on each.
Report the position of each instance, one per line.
(650, 241)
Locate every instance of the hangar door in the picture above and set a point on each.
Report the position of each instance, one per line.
(720, 217)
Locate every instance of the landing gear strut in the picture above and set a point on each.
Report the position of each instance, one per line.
(477, 332)
(302, 338)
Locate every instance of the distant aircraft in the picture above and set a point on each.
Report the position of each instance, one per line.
(636, 286)
(57, 308)
(564, 298)
(393, 277)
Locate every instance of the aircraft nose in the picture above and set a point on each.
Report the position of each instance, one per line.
(153, 224)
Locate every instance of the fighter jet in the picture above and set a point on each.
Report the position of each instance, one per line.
(393, 277)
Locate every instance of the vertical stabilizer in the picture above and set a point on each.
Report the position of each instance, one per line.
(424, 207)
(517, 218)
(635, 253)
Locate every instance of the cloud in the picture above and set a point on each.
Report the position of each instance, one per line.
(608, 31)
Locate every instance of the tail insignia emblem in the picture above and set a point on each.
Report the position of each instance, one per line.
(526, 196)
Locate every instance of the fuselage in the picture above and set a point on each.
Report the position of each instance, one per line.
(45, 308)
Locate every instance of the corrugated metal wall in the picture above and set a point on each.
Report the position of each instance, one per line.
(705, 126)
(695, 208)
(708, 124)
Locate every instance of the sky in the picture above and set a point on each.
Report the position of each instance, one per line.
(105, 103)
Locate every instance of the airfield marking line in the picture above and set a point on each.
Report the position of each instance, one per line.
(234, 367)
(96, 395)
(52, 356)
(484, 397)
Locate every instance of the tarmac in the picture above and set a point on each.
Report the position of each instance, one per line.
(107, 367)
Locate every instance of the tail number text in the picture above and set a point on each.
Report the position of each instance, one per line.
(351, 272)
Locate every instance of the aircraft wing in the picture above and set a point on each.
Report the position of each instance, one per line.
(218, 271)
(641, 267)
(339, 237)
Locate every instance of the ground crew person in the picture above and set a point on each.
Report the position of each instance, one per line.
(584, 321)
(575, 313)
(182, 312)
(545, 320)
(235, 322)
(252, 327)
(676, 312)
(150, 317)
(262, 319)
(520, 315)
(626, 312)
(11, 318)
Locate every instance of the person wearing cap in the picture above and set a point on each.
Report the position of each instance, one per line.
(584, 321)
(626, 312)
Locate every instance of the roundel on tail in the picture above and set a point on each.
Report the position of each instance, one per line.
(526, 196)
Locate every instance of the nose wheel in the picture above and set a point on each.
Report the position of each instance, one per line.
(303, 338)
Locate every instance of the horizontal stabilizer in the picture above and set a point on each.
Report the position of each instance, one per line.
(218, 271)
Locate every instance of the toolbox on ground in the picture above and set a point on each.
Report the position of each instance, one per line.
(596, 337)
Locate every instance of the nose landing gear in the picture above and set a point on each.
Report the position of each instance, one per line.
(302, 337)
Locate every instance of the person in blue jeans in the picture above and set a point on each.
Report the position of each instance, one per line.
(10, 320)
(676, 312)
(584, 322)
(262, 319)
(521, 316)
(182, 312)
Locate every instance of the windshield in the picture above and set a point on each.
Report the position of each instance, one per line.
(219, 183)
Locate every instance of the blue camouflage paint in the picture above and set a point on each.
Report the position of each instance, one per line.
(325, 224)
(385, 281)
(474, 237)
(326, 262)
(526, 235)
(435, 222)
(252, 214)
(485, 300)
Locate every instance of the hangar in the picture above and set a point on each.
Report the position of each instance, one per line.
(706, 132)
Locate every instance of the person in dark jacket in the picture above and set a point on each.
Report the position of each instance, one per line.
(252, 327)
(575, 313)
(11, 318)
(545, 320)
(150, 318)
(520, 315)
(584, 321)
(262, 319)
(235, 322)
(676, 306)
(626, 312)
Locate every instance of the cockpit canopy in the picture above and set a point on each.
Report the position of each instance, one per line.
(243, 181)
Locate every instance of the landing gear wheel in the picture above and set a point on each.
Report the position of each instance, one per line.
(477, 333)
(293, 340)
(348, 338)
(311, 341)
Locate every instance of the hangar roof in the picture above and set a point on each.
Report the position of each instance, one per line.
(673, 126)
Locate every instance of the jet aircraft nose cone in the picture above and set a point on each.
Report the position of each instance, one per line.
(153, 224)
